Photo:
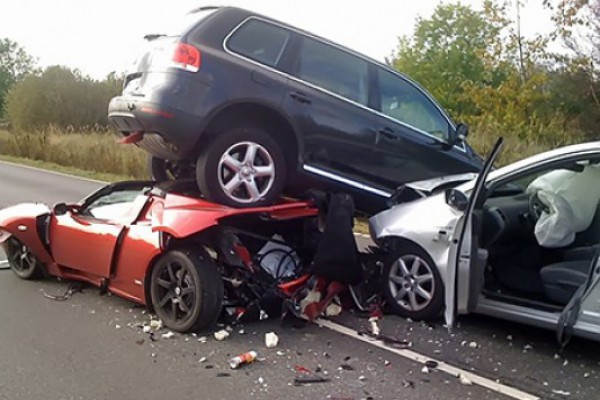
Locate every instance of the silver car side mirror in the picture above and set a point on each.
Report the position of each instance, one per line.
(456, 199)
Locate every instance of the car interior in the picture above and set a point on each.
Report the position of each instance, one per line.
(520, 269)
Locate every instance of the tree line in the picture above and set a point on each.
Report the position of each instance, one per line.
(475, 62)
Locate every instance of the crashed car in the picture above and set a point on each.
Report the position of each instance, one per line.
(252, 108)
(187, 259)
(518, 243)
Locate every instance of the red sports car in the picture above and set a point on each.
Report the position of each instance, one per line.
(163, 246)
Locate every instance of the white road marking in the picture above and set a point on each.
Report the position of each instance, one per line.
(52, 172)
(442, 366)
(3, 264)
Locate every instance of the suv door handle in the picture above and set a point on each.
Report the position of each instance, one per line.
(387, 133)
(300, 97)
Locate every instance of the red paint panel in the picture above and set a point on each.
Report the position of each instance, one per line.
(80, 244)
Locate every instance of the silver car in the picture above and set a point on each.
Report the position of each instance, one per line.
(472, 244)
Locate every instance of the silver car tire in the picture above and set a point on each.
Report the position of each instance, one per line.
(412, 285)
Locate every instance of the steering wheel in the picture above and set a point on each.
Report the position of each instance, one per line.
(536, 208)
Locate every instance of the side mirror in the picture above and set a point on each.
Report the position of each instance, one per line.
(458, 135)
(60, 209)
(456, 199)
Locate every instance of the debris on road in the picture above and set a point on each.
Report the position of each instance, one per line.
(221, 335)
(71, 290)
(202, 359)
(473, 345)
(305, 380)
(464, 380)
(431, 364)
(168, 335)
(425, 370)
(374, 326)
(271, 340)
(242, 359)
(202, 339)
(561, 392)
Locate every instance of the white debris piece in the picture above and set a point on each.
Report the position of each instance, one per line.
(117, 326)
(464, 380)
(586, 375)
(561, 392)
(333, 310)
(168, 335)
(280, 353)
(242, 332)
(374, 326)
(202, 359)
(527, 347)
(473, 345)
(425, 370)
(261, 380)
(202, 339)
(362, 378)
(263, 315)
(147, 329)
(271, 340)
(509, 338)
(221, 335)
(156, 324)
(565, 363)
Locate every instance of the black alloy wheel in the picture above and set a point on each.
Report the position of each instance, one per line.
(22, 261)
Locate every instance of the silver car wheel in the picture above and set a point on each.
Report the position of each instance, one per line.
(411, 282)
(246, 172)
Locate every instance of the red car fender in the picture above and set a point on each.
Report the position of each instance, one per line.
(21, 221)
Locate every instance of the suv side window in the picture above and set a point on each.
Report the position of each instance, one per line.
(333, 69)
(259, 41)
(402, 101)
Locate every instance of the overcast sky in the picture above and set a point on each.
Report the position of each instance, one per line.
(101, 36)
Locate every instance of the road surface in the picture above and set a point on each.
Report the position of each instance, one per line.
(91, 346)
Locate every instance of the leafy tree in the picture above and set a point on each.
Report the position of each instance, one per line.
(61, 97)
(15, 63)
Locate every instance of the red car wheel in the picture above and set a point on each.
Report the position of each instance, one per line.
(23, 263)
(186, 290)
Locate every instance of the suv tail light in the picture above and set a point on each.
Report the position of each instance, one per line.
(186, 57)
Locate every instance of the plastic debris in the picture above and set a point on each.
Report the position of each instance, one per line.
(202, 339)
(300, 368)
(374, 326)
(425, 370)
(202, 359)
(146, 329)
(156, 324)
(271, 340)
(305, 380)
(509, 338)
(168, 335)
(387, 363)
(221, 335)
(242, 332)
(333, 310)
(280, 353)
(263, 315)
(242, 359)
(464, 380)
(71, 290)
(117, 326)
(261, 380)
(561, 392)
(473, 345)
(565, 363)
(586, 375)
(527, 347)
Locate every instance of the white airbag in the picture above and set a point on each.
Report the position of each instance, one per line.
(572, 198)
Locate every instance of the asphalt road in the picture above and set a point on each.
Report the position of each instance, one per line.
(91, 346)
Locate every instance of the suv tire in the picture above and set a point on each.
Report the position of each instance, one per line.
(242, 167)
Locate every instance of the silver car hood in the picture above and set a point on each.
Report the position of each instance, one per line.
(430, 185)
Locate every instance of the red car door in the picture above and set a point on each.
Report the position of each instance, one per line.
(85, 239)
(83, 243)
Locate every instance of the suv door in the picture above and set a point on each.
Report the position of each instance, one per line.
(413, 134)
(328, 99)
(465, 262)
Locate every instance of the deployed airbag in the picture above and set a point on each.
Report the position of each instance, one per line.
(572, 198)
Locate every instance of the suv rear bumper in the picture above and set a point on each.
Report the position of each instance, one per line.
(168, 133)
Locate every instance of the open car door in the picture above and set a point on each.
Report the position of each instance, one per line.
(583, 310)
(465, 270)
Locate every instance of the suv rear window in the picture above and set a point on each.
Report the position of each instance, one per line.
(259, 41)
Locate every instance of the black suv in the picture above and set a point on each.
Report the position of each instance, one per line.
(255, 108)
